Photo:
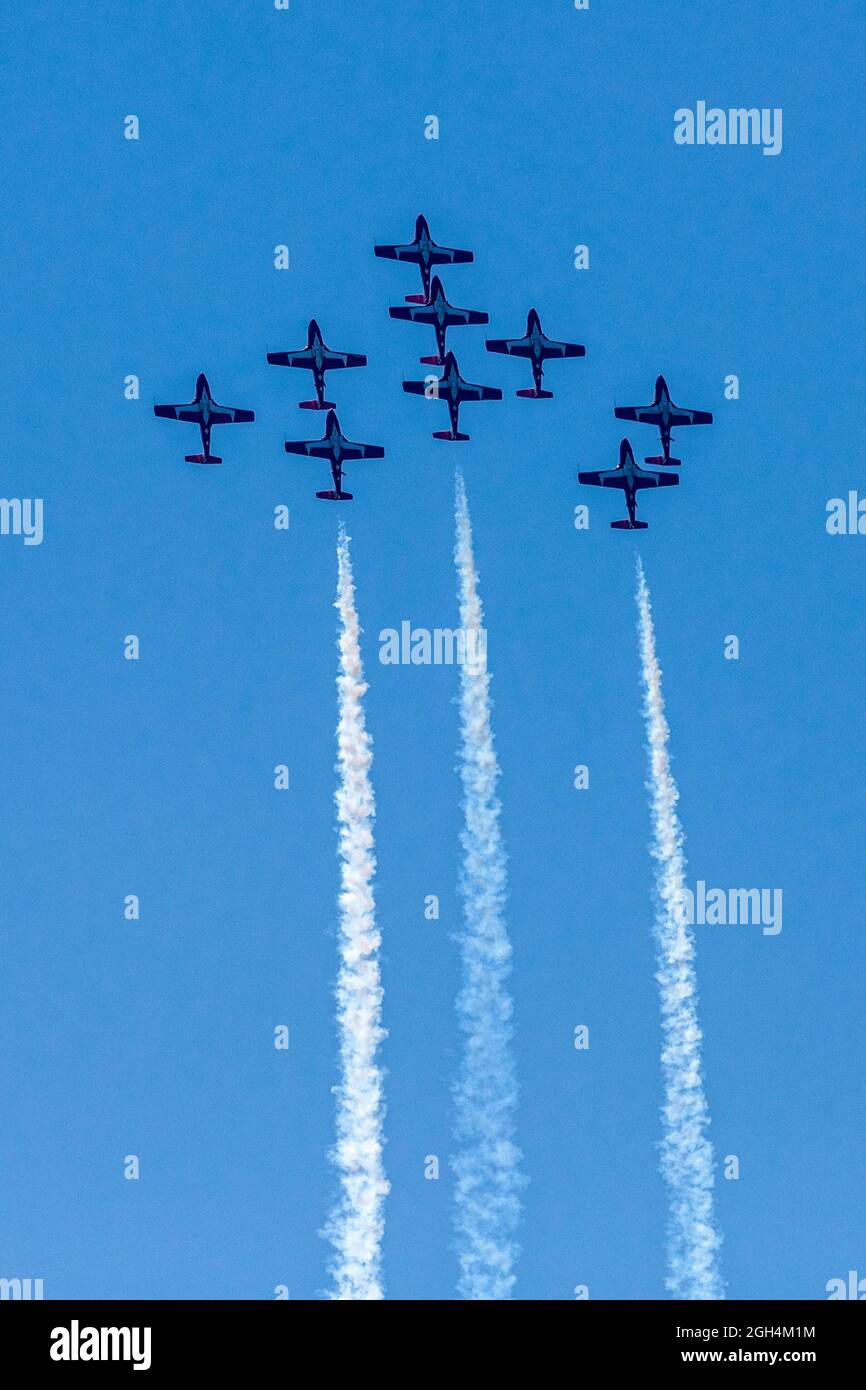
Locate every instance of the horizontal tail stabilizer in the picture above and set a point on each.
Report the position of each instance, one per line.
(629, 525)
(446, 434)
(335, 496)
(432, 361)
(660, 461)
(202, 458)
(415, 299)
(316, 405)
(532, 394)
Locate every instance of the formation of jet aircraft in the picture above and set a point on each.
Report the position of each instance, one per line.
(205, 412)
(432, 308)
(316, 357)
(628, 475)
(334, 446)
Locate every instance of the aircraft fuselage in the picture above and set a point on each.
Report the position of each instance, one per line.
(335, 444)
(452, 385)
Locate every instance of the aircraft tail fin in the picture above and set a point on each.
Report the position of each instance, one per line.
(201, 458)
(626, 525)
(332, 496)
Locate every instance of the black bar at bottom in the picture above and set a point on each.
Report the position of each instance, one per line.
(156, 1338)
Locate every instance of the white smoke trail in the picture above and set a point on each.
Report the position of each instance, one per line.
(357, 1224)
(487, 1173)
(687, 1155)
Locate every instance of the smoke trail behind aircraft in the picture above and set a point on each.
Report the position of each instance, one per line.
(687, 1155)
(356, 1226)
(486, 1167)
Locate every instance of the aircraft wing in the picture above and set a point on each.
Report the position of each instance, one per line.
(551, 348)
(230, 415)
(643, 414)
(514, 347)
(362, 451)
(302, 358)
(470, 392)
(448, 255)
(409, 252)
(413, 313)
(425, 313)
(455, 316)
(609, 477)
(189, 411)
(690, 417)
(656, 480)
(312, 448)
(332, 360)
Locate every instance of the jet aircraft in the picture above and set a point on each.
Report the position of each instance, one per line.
(336, 448)
(318, 358)
(205, 412)
(631, 478)
(537, 347)
(667, 416)
(452, 389)
(425, 253)
(441, 315)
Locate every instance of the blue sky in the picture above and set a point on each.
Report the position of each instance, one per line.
(155, 257)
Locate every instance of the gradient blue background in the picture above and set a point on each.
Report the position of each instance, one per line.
(260, 127)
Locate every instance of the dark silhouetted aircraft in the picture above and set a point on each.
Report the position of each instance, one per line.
(425, 253)
(667, 416)
(451, 388)
(336, 448)
(318, 358)
(441, 315)
(204, 412)
(630, 477)
(537, 348)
